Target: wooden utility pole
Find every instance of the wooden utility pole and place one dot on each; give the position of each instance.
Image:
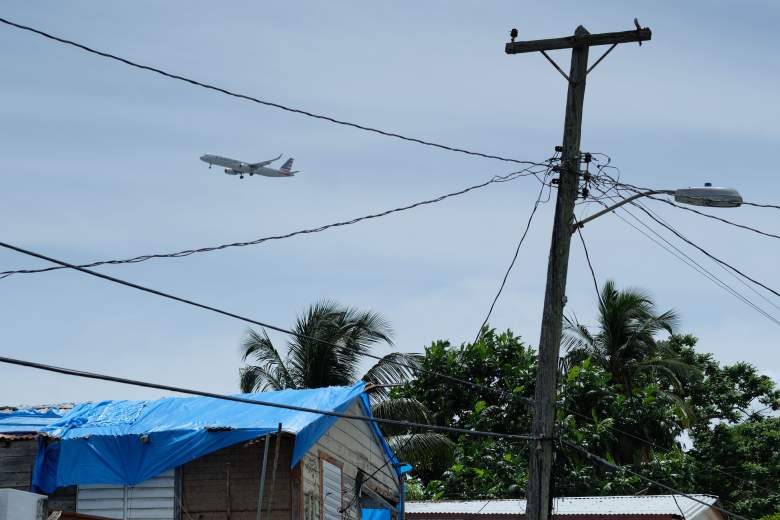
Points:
(541, 449)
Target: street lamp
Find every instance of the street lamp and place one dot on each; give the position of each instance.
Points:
(708, 195)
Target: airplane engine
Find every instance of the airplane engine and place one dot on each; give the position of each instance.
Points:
(228, 171)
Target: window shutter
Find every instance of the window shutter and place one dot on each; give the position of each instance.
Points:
(152, 499)
(331, 491)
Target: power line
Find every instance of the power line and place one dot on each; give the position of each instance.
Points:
(409, 424)
(187, 252)
(686, 259)
(254, 99)
(631, 187)
(682, 256)
(190, 391)
(272, 327)
(704, 251)
(615, 467)
(232, 315)
(713, 217)
(590, 265)
(377, 470)
(512, 263)
(104, 377)
(740, 280)
(236, 316)
(774, 206)
(635, 188)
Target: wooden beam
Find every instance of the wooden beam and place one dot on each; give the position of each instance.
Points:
(588, 40)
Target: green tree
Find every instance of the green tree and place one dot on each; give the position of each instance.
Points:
(735, 453)
(736, 433)
(625, 343)
(484, 467)
(741, 464)
(329, 346)
(330, 343)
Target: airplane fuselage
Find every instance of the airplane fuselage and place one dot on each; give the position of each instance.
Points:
(233, 167)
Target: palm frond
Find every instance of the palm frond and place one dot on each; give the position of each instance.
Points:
(248, 380)
(267, 364)
(423, 450)
(396, 367)
(401, 409)
(685, 411)
(359, 332)
(258, 379)
(577, 343)
(313, 357)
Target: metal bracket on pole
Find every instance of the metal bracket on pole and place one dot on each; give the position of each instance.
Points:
(559, 69)
(602, 57)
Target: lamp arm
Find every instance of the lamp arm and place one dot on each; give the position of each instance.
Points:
(581, 223)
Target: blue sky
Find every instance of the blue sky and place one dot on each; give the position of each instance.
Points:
(101, 161)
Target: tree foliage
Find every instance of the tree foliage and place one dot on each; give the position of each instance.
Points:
(330, 343)
(630, 412)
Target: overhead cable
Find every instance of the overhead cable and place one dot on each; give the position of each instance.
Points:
(230, 314)
(713, 217)
(704, 251)
(187, 252)
(728, 271)
(238, 399)
(682, 256)
(254, 99)
(104, 377)
(773, 206)
(590, 265)
(512, 263)
(686, 259)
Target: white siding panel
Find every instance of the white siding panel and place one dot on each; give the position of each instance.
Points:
(150, 500)
(331, 490)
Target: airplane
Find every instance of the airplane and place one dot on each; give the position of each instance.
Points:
(233, 167)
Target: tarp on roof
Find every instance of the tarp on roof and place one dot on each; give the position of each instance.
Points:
(396, 466)
(127, 442)
(27, 420)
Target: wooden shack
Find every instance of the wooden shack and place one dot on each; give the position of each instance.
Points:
(348, 467)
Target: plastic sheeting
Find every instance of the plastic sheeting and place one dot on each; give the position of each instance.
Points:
(127, 442)
(375, 427)
(27, 420)
(375, 514)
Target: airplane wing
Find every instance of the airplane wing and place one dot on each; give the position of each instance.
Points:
(265, 163)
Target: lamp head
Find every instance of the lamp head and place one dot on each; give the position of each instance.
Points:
(710, 196)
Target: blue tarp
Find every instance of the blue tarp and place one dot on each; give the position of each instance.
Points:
(375, 514)
(374, 426)
(28, 420)
(127, 442)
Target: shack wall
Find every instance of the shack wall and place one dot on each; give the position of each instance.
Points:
(17, 458)
(353, 446)
(225, 484)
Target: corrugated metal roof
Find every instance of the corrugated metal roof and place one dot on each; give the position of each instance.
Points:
(37, 407)
(610, 505)
(20, 421)
(17, 436)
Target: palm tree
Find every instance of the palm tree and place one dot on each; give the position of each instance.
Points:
(329, 344)
(625, 343)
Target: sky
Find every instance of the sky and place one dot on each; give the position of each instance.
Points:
(100, 161)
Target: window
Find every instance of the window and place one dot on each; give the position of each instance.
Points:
(330, 473)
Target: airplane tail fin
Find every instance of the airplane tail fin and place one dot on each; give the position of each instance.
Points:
(287, 166)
